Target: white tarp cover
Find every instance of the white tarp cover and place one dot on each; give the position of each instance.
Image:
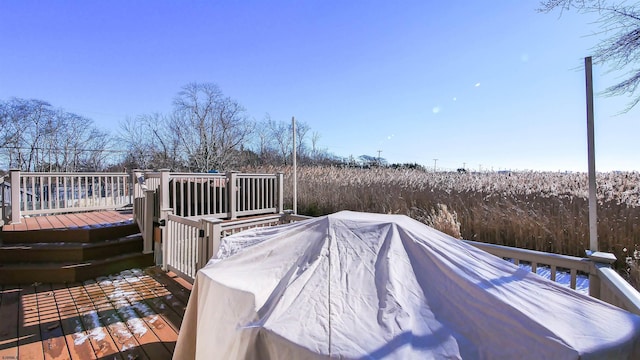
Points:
(370, 286)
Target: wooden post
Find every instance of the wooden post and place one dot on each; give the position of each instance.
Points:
(598, 259)
(14, 175)
(211, 243)
(163, 191)
(593, 217)
(147, 227)
(164, 213)
(232, 194)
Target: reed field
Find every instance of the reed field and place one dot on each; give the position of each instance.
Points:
(545, 211)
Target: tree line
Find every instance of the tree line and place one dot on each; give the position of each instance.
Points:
(205, 131)
(35, 136)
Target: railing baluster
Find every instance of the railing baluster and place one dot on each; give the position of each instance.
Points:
(65, 194)
(46, 188)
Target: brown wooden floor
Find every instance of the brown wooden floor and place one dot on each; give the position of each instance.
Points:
(75, 220)
(133, 315)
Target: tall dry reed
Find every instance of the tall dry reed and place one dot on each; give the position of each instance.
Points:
(533, 210)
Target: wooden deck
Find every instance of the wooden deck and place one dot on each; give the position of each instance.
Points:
(70, 221)
(132, 315)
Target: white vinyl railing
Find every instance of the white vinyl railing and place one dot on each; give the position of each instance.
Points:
(211, 195)
(199, 194)
(191, 242)
(222, 195)
(40, 193)
(571, 264)
(257, 194)
(185, 246)
(604, 282)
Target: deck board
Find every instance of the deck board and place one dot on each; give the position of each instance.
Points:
(73, 220)
(29, 339)
(138, 317)
(42, 222)
(75, 335)
(133, 314)
(9, 324)
(53, 341)
(125, 340)
(159, 299)
(155, 312)
(98, 336)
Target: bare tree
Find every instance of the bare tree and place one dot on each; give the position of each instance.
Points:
(210, 127)
(282, 138)
(302, 128)
(150, 143)
(37, 137)
(620, 48)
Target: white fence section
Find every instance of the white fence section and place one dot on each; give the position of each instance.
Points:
(185, 246)
(191, 242)
(555, 262)
(40, 193)
(604, 282)
(256, 194)
(199, 194)
(212, 195)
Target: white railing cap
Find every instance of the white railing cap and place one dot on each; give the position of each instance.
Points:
(601, 257)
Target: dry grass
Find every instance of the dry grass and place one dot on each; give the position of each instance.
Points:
(533, 210)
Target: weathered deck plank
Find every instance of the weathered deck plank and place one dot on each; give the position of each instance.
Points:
(53, 341)
(75, 335)
(100, 340)
(125, 341)
(74, 220)
(139, 318)
(130, 315)
(29, 338)
(156, 297)
(9, 308)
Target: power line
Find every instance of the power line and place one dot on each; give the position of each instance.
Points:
(59, 149)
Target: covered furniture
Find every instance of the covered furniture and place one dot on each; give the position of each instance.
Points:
(369, 286)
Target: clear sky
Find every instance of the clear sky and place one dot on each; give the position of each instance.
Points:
(482, 84)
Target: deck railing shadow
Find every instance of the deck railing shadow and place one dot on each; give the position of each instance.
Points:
(108, 316)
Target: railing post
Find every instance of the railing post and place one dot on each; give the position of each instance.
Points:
(163, 191)
(148, 222)
(285, 217)
(280, 193)
(14, 175)
(164, 214)
(209, 245)
(232, 194)
(598, 259)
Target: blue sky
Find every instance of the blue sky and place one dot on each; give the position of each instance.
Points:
(491, 85)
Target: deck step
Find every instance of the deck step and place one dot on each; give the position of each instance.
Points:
(87, 234)
(67, 272)
(69, 252)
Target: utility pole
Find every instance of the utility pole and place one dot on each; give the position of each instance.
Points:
(593, 217)
(464, 165)
(295, 166)
(435, 161)
(379, 163)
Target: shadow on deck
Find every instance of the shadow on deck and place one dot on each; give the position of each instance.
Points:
(135, 314)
